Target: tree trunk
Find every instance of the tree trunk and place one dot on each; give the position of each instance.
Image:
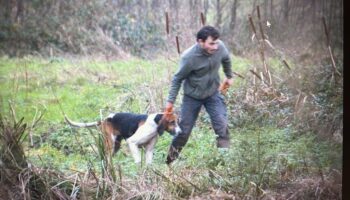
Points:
(331, 14)
(218, 14)
(266, 2)
(271, 11)
(313, 5)
(206, 8)
(285, 11)
(233, 15)
(141, 9)
(254, 6)
(7, 11)
(20, 9)
(176, 7)
(195, 14)
(191, 9)
(154, 10)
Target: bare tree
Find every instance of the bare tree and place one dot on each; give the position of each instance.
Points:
(285, 10)
(271, 10)
(206, 7)
(218, 14)
(194, 9)
(20, 10)
(233, 15)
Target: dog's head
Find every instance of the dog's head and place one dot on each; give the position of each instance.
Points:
(168, 122)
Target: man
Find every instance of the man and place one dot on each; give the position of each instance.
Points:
(199, 69)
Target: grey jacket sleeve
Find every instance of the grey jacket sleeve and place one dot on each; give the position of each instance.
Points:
(226, 62)
(183, 71)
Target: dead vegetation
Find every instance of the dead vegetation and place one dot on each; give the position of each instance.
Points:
(19, 179)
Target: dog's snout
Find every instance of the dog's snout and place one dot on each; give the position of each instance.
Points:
(177, 130)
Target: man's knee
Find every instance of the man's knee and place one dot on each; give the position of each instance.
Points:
(220, 124)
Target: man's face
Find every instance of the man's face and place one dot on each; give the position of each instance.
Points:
(209, 45)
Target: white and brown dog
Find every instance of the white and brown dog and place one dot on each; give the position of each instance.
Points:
(138, 131)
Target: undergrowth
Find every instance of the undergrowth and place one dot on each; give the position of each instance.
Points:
(270, 157)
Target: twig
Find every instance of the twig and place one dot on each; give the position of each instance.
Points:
(329, 46)
(274, 50)
(254, 81)
(39, 118)
(202, 19)
(195, 186)
(74, 189)
(257, 75)
(173, 61)
(260, 24)
(261, 78)
(26, 74)
(167, 45)
(167, 23)
(178, 45)
(31, 128)
(59, 104)
(286, 64)
(13, 112)
(252, 24)
(164, 177)
(120, 175)
(242, 77)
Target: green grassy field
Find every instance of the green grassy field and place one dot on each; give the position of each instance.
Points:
(263, 158)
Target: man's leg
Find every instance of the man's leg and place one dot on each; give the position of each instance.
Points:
(189, 112)
(216, 108)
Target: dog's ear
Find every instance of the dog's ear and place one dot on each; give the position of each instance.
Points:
(159, 119)
(161, 129)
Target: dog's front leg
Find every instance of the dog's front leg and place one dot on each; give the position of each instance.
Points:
(143, 134)
(149, 149)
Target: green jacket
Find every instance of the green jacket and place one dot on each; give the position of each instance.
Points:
(200, 72)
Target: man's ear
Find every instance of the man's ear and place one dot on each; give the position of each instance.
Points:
(201, 42)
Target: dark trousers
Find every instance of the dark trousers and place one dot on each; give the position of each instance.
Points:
(190, 108)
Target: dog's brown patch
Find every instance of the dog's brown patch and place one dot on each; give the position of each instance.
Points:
(108, 130)
(141, 123)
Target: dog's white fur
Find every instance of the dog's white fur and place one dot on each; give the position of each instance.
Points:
(147, 136)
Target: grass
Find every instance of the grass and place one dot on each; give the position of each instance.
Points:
(262, 158)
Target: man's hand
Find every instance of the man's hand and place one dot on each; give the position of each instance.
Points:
(229, 81)
(225, 85)
(168, 109)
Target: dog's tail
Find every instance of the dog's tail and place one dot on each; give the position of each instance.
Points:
(81, 124)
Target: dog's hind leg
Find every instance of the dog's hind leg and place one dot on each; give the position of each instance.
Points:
(109, 138)
(135, 151)
(117, 144)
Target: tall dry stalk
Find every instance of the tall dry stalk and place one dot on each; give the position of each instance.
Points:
(335, 71)
(262, 47)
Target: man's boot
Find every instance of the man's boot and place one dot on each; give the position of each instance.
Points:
(173, 154)
(223, 143)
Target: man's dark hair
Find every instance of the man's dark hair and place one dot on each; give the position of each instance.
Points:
(207, 31)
